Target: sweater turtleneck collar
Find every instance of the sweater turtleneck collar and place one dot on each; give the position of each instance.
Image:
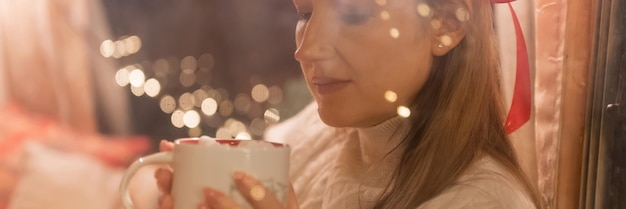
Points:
(378, 141)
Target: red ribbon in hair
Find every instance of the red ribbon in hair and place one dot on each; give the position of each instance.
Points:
(519, 112)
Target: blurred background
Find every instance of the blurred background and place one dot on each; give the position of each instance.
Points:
(88, 86)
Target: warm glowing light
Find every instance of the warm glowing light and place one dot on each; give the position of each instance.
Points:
(119, 49)
(260, 93)
(234, 126)
(177, 118)
(107, 48)
(209, 106)
(187, 78)
(404, 112)
(462, 14)
(391, 96)
(152, 87)
(257, 126)
(384, 15)
(195, 132)
(381, 2)
(222, 133)
(423, 10)
(121, 77)
(275, 95)
(242, 103)
(199, 95)
(191, 119)
(168, 104)
(132, 44)
(137, 91)
(216, 95)
(206, 62)
(189, 63)
(226, 108)
(136, 78)
(271, 115)
(186, 101)
(243, 136)
(446, 40)
(161, 66)
(394, 32)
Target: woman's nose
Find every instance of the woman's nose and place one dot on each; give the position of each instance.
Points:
(316, 40)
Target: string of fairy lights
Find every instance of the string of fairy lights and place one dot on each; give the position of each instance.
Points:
(203, 104)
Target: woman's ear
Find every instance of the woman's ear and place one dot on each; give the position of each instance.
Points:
(448, 27)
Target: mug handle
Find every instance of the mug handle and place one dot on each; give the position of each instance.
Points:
(161, 157)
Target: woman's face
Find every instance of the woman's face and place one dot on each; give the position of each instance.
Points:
(354, 51)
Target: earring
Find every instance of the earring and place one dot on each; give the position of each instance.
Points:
(440, 45)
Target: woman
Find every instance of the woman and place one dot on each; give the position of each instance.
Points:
(370, 64)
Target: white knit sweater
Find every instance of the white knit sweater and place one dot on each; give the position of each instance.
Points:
(348, 168)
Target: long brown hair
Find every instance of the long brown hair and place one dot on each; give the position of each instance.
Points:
(458, 112)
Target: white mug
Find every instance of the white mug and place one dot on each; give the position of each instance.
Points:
(198, 165)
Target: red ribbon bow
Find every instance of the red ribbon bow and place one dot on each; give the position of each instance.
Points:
(519, 112)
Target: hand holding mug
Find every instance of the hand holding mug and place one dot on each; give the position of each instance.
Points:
(219, 174)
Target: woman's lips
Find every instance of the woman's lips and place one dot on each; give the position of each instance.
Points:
(329, 85)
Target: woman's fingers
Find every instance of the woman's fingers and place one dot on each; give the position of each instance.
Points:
(256, 194)
(166, 146)
(217, 200)
(164, 180)
(166, 202)
(292, 201)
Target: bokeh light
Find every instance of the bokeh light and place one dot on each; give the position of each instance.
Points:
(381, 2)
(177, 118)
(258, 126)
(168, 104)
(222, 133)
(260, 93)
(394, 32)
(152, 87)
(423, 10)
(404, 112)
(271, 116)
(209, 106)
(462, 14)
(384, 15)
(121, 77)
(137, 91)
(189, 63)
(136, 77)
(446, 40)
(195, 132)
(243, 136)
(186, 101)
(107, 48)
(199, 95)
(391, 96)
(191, 119)
(226, 108)
(242, 103)
(132, 44)
(187, 78)
(275, 95)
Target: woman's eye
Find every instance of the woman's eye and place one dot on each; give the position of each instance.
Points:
(306, 15)
(354, 18)
(353, 15)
